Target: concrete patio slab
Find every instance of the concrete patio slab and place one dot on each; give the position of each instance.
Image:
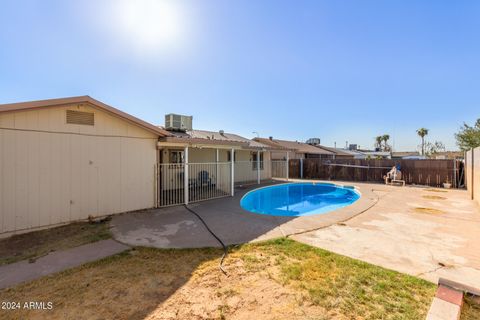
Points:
(15, 273)
(396, 235)
(176, 227)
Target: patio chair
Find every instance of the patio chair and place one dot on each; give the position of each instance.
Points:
(204, 179)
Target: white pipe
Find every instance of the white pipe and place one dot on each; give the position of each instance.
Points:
(185, 170)
(233, 171)
(258, 167)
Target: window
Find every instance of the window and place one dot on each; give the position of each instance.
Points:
(229, 157)
(176, 156)
(254, 160)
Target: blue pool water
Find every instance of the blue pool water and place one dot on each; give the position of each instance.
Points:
(298, 199)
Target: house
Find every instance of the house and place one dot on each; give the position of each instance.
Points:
(69, 159)
(340, 153)
(294, 149)
(442, 155)
(369, 154)
(407, 155)
(63, 160)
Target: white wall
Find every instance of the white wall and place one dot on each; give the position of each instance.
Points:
(52, 172)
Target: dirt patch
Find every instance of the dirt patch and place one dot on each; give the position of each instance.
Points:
(428, 210)
(35, 244)
(432, 197)
(280, 279)
(471, 308)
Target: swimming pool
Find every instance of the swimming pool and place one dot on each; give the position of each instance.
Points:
(298, 199)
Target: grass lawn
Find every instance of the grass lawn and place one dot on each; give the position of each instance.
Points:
(278, 279)
(39, 243)
(471, 308)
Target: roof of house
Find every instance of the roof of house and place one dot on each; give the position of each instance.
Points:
(215, 137)
(400, 154)
(338, 151)
(296, 146)
(39, 104)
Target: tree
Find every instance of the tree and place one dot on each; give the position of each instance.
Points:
(432, 148)
(422, 132)
(385, 139)
(378, 142)
(468, 137)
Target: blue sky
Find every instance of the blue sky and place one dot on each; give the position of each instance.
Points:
(338, 70)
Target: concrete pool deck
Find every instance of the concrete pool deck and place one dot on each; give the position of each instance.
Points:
(176, 227)
(384, 227)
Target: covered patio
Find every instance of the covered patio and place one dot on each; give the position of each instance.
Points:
(200, 165)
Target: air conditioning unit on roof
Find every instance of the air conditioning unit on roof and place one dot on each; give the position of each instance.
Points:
(177, 122)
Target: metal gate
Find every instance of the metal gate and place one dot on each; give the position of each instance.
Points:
(203, 181)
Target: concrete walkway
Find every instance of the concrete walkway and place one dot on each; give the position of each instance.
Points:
(396, 235)
(16, 273)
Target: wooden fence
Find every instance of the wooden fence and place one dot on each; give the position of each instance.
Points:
(423, 172)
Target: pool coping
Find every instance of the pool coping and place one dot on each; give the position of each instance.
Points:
(303, 224)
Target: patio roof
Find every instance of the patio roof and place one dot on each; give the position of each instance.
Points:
(298, 147)
(214, 138)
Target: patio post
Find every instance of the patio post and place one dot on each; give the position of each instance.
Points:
(258, 167)
(232, 171)
(216, 167)
(185, 174)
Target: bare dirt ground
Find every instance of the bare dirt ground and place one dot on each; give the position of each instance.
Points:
(280, 279)
(39, 243)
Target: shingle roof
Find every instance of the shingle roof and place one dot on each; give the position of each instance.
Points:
(296, 146)
(30, 105)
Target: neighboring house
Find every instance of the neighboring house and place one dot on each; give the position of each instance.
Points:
(367, 154)
(448, 155)
(407, 155)
(295, 149)
(340, 153)
(66, 159)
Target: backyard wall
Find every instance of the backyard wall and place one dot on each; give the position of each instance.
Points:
(472, 173)
(52, 172)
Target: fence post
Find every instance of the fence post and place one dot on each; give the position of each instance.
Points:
(233, 171)
(258, 167)
(301, 168)
(473, 174)
(288, 165)
(185, 174)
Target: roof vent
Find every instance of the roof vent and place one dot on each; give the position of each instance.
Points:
(177, 122)
(80, 117)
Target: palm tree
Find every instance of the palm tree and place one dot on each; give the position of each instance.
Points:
(385, 139)
(378, 142)
(422, 132)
